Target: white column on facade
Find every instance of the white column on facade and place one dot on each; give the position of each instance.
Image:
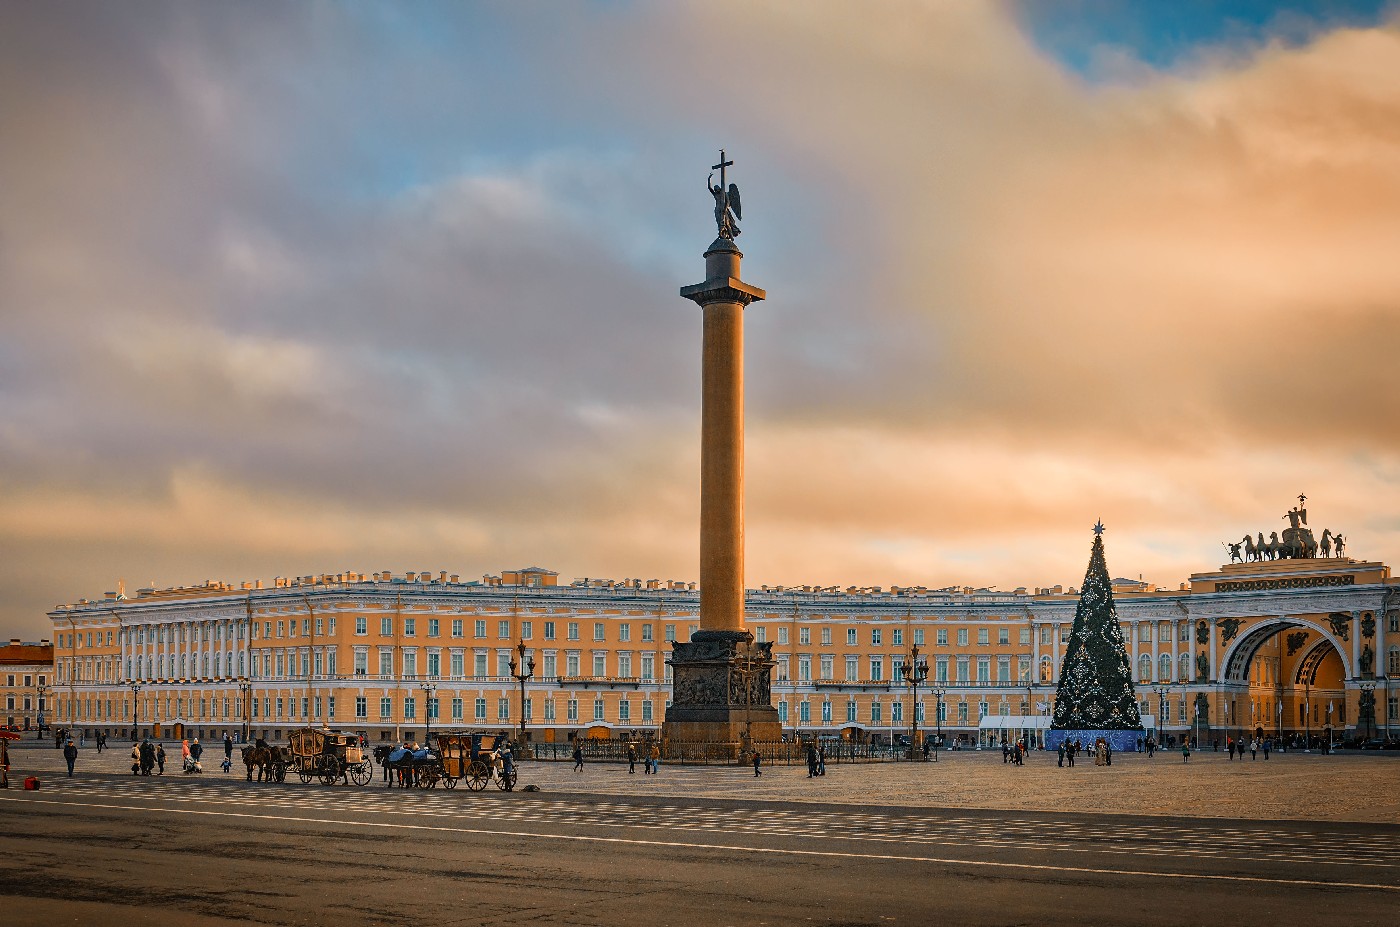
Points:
(1176, 644)
(1156, 657)
(1133, 630)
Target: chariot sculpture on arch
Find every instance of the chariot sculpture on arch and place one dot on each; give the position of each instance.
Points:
(728, 209)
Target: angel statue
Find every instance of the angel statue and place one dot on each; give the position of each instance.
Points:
(728, 209)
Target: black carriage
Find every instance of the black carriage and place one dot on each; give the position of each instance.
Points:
(412, 766)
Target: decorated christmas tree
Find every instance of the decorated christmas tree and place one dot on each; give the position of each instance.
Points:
(1096, 680)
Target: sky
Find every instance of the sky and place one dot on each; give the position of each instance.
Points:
(322, 287)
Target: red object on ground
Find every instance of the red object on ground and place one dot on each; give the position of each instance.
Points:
(31, 784)
(9, 735)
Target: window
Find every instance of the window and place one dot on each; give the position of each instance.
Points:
(1003, 635)
(571, 664)
(942, 637)
(782, 713)
(877, 668)
(826, 637)
(361, 707)
(646, 710)
(876, 713)
(457, 709)
(876, 637)
(1183, 632)
(571, 710)
(804, 712)
(1045, 639)
(1047, 669)
(456, 627)
(361, 625)
(433, 628)
(850, 637)
(480, 709)
(600, 667)
(386, 627)
(573, 630)
(984, 669)
(624, 632)
(1164, 668)
(804, 668)
(1025, 636)
(549, 630)
(1394, 620)
(410, 627)
(648, 667)
(598, 709)
(1184, 668)
(1003, 669)
(479, 628)
(502, 709)
(984, 637)
(940, 669)
(361, 663)
(624, 710)
(852, 669)
(550, 671)
(647, 634)
(1144, 633)
(897, 638)
(503, 630)
(782, 635)
(480, 665)
(1393, 663)
(962, 669)
(671, 632)
(457, 664)
(962, 637)
(804, 635)
(828, 666)
(410, 708)
(434, 664)
(386, 662)
(624, 665)
(761, 634)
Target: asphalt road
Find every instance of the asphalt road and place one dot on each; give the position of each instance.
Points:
(113, 850)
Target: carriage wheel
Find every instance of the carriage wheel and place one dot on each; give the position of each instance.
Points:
(506, 782)
(427, 778)
(449, 781)
(328, 777)
(305, 776)
(478, 774)
(361, 773)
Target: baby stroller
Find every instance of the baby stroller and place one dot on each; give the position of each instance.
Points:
(192, 766)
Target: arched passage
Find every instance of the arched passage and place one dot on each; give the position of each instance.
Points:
(1300, 635)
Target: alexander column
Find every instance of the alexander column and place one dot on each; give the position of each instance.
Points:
(722, 690)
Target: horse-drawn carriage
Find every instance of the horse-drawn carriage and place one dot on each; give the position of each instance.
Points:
(477, 759)
(271, 762)
(331, 756)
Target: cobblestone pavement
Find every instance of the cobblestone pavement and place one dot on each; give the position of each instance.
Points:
(1293, 786)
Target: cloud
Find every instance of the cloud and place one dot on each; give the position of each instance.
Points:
(328, 288)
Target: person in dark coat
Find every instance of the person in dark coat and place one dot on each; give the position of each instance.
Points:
(228, 746)
(160, 759)
(757, 761)
(1061, 751)
(70, 755)
(811, 760)
(578, 756)
(631, 759)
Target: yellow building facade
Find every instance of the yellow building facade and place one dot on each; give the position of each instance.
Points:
(1289, 646)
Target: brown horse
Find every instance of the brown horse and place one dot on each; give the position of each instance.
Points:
(261, 758)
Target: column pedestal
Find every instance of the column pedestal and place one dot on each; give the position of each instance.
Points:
(722, 692)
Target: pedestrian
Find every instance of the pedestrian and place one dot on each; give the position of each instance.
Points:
(1107, 753)
(1266, 745)
(196, 751)
(70, 754)
(1005, 752)
(655, 759)
(1073, 752)
(1061, 751)
(811, 760)
(757, 761)
(228, 746)
(631, 759)
(1230, 746)
(578, 756)
(1254, 749)
(160, 759)
(101, 742)
(1185, 749)
(135, 758)
(821, 760)
(1151, 747)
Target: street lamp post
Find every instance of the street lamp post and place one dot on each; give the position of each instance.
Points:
(135, 711)
(521, 671)
(39, 725)
(937, 691)
(1161, 711)
(428, 689)
(246, 688)
(915, 673)
(1307, 717)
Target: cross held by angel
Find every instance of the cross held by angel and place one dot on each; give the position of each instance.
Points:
(728, 208)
